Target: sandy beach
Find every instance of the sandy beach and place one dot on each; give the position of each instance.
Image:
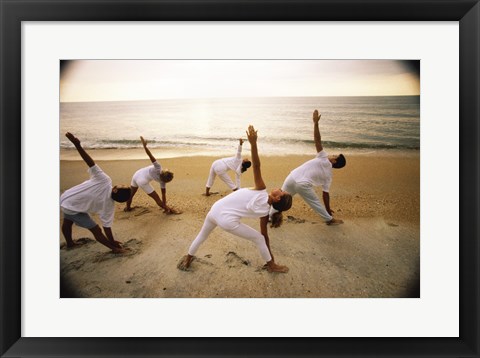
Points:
(375, 253)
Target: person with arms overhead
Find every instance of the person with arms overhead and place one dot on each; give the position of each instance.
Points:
(244, 203)
(144, 176)
(315, 172)
(220, 167)
(95, 195)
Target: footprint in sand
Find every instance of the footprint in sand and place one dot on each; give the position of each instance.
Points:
(193, 263)
(134, 246)
(73, 266)
(143, 211)
(79, 242)
(233, 260)
(292, 219)
(203, 262)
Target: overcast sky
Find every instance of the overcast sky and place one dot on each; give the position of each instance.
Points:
(118, 80)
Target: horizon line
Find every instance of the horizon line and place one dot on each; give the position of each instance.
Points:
(240, 97)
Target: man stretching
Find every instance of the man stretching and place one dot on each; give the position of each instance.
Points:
(315, 172)
(95, 195)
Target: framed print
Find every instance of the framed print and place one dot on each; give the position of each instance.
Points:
(45, 44)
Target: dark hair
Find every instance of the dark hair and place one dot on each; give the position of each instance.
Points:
(245, 165)
(277, 219)
(284, 203)
(166, 176)
(122, 195)
(340, 163)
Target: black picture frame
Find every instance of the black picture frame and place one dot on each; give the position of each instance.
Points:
(13, 12)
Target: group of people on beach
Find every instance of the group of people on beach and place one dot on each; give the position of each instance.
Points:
(97, 195)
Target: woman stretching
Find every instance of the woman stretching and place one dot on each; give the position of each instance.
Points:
(244, 203)
(144, 176)
(220, 167)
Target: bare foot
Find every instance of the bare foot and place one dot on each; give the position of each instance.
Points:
(335, 222)
(172, 211)
(129, 209)
(72, 246)
(184, 263)
(273, 267)
(120, 250)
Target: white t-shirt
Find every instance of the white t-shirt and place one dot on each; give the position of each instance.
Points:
(236, 161)
(91, 196)
(147, 174)
(243, 203)
(235, 164)
(317, 171)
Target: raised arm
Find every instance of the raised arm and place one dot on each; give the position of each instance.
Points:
(81, 151)
(257, 174)
(239, 149)
(144, 143)
(316, 131)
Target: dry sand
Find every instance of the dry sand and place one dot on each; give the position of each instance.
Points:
(375, 253)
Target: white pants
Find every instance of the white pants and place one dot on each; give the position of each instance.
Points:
(308, 194)
(220, 168)
(235, 228)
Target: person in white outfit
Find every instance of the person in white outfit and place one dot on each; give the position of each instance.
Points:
(95, 195)
(244, 203)
(144, 176)
(220, 167)
(315, 172)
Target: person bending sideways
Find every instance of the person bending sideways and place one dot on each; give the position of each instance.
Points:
(244, 203)
(144, 176)
(315, 172)
(220, 167)
(95, 195)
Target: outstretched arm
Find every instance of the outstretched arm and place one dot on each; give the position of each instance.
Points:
(316, 131)
(239, 149)
(109, 235)
(144, 143)
(257, 174)
(81, 151)
(164, 197)
(326, 201)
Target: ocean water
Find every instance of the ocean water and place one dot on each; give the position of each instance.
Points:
(213, 126)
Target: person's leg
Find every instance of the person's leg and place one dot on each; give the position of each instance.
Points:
(67, 232)
(81, 219)
(246, 232)
(157, 199)
(208, 225)
(128, 206)
(227, 180)
(308, 194)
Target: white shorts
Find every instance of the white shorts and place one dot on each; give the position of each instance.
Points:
(139, 181)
